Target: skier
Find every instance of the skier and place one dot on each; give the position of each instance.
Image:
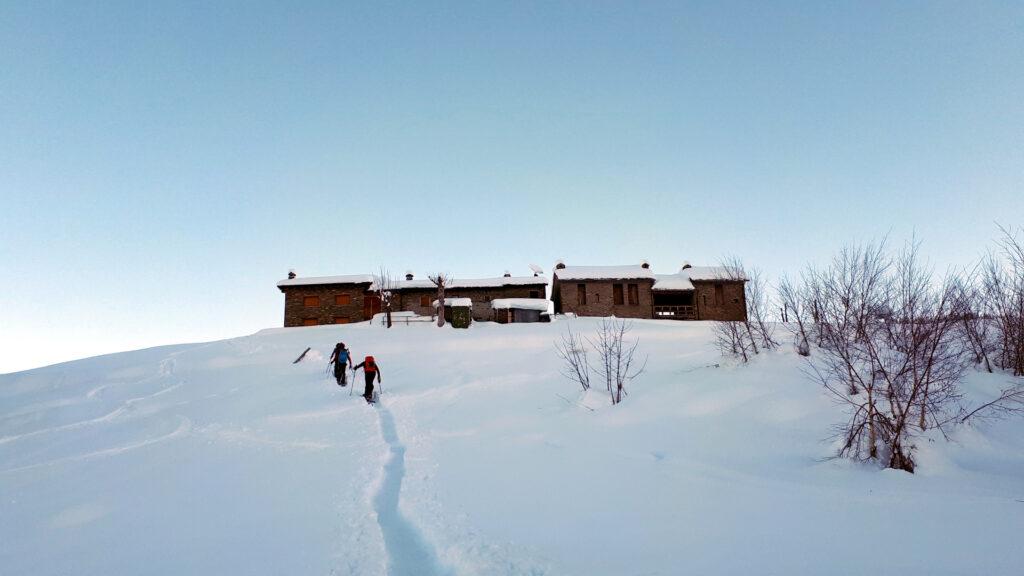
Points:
(340, 358)
(370, 369)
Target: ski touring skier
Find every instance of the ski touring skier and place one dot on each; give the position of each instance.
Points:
(371, 370)
(340, 358)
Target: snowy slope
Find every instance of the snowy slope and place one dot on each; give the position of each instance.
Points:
(226, 458)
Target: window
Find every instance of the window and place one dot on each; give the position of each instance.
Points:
(581, 294)
(425, 301)
(341, 319)
(534, 294)
(634, 294)
(342, 300)
(311, 301)
(309, 322)
(617, 298)
(719, 295)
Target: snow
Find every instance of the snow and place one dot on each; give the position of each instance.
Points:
(226, 458)
(682, 280)
(521, 303)
(316, 280)
(457, 302)
(418, 284)
(475, 282)
(603, 272)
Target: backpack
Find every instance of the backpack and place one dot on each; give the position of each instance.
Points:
(370, 365)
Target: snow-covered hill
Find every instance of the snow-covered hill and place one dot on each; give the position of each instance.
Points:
(226, 458)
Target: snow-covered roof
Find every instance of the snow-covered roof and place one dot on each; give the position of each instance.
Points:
(458, 302)
(314, 280)
(683, 280)
(457, 283)
(628, 272)
(520, 304)
(414, 284)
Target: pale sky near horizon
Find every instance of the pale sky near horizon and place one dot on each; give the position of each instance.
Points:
(162, 165)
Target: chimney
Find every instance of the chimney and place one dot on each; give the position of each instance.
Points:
(686, 264)
(645, 264)
(507, 274)
(408, 274)
(559, 265)
(291, 274)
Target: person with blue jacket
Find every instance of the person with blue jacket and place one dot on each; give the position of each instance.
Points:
(340, 358)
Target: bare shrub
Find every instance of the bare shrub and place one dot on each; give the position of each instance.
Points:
(573, 352)
(1003, 289)
(890, 350)
(616, 357)
(741, 338)
(796, 314)
(732, 340)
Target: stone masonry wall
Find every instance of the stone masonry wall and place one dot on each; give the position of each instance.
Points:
(600, 298)
(295, 312)
(734, 307)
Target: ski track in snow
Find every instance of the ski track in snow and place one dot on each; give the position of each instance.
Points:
(408, 554)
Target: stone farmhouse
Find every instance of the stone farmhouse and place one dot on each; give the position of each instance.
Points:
(312, 301)
(634, 291)
(631, 291)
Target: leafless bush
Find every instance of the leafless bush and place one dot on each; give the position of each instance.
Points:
(1003, 289)
(732, 339)
(975, 322)
(754, 332)
(616, 357)
(573, 352)
(890, 350)
(796, 314)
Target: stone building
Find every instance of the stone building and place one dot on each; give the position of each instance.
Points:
(342, 299)
(634, 291)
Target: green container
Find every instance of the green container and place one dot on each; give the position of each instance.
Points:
(462, 316)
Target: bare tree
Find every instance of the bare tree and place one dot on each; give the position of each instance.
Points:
(796, 306)
(732, 339)
(616, 357)
(757, 305)
(440, 280)
(385, 286)
(573, 352)
(975, 321)
(890, 351)
(740, 338)
(1003, 287)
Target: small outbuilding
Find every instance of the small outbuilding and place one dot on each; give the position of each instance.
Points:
(519, 310)
(457, 311)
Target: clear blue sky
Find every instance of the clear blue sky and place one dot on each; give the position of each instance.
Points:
(163, 164)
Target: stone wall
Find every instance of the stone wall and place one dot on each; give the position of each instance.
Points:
(600, 298)
(734, 306)
(296, 312)
(411, 300)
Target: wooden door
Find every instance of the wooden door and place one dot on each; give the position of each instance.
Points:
(371, 306)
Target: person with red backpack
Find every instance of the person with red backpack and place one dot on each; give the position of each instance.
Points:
(371, 370)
